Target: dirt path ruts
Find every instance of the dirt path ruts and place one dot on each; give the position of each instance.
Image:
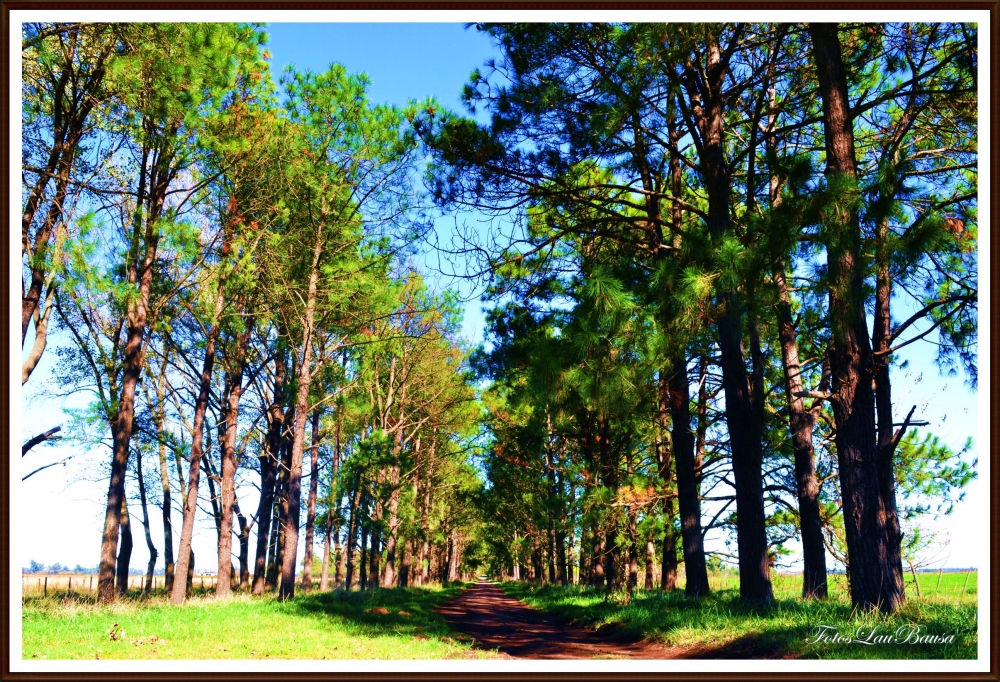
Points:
(497, 621)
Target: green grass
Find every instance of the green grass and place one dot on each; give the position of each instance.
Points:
(719, 626)
(328, 625)
(942, 585)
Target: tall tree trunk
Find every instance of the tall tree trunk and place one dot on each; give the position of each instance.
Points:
(269, 463)
(742, 415)
(145, 526)
(307, 558)
(363, 564)
(352, 531)
(294, 498)
(124, 550)
(800, 421)
(166, 506)
(389, 576)
(230, 420)
(189, 580)
(374, 553)
(280, 508)
(550, 473)
(887, 438)
(609, 478)
(333, 516)
(873, 585)
(244, 545)
(140, 274)
(597, 555)
(688, 499)
(561, 566)
(800, 424)
(650, 559)
(197, 437)
(324, 573)
(668, 564)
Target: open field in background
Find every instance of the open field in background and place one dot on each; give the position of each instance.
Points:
(719, 626)
(786, 585)
(381, 624)
(789, 585)
(81, 584)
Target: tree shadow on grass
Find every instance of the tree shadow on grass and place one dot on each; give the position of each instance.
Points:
(381, 612)
(721, 626)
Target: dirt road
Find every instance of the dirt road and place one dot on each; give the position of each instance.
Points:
(497, 621)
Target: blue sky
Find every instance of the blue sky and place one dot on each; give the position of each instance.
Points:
(406, 62)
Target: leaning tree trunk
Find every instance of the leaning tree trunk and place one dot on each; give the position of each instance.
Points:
(871, 573)
(197, 451)
(148, 587)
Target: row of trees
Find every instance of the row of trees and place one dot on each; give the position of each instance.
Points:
(702, 231)
(229, 263)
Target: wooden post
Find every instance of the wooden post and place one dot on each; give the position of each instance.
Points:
(202, 581)
(967, 574)
(70, 587)
(91, 583)
(45, 589)
(938, 587)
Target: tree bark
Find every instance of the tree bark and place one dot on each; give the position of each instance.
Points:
(307, 561)
(294, 498)
(352, 530)
(742, 415)
(167, 505)
(197, 450)
(692, 543)
(887, 438)
(124, 550)
(269, 462)
(140, 274)
(873, 585)
(800, 424)
(230, 420)
(145, 526)
(244, 545)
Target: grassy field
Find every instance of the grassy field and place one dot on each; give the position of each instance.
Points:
(720, 627)
(383, 624)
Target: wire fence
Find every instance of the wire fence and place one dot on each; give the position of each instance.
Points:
(53, 584)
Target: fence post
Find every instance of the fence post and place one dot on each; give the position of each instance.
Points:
(967, 574)
(70, 587)
(91, 583)
(45, 592)
(938, 587)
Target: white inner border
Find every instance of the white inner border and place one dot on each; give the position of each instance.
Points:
(18, 532)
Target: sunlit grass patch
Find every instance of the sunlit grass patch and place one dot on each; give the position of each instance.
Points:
(381, 624)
